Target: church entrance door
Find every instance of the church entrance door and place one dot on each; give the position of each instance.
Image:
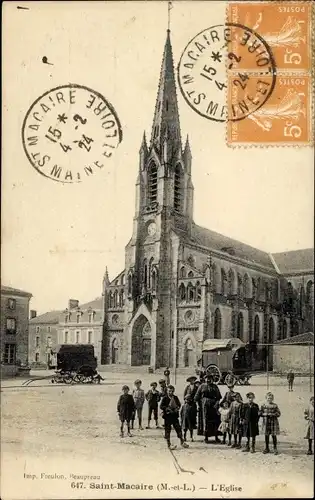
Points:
(141, 342)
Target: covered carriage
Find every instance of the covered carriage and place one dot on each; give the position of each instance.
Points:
(227, 360)
(74, 363)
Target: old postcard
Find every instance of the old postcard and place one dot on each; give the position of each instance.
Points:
(157, 292)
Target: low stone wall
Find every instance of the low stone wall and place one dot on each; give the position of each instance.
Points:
(299, 358)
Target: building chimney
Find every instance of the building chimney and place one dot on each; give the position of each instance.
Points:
(73, 303)
(33, 314)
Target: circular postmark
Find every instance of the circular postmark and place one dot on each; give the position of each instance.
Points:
(69, 133)
(226, 72)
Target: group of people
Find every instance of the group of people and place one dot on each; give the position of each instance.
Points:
(204, 409)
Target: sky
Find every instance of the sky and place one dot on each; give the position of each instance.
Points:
(58, 238)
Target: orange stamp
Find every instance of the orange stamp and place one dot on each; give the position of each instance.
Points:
(284, 26)
(283, 120)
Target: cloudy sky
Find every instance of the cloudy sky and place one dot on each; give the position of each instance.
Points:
(57, 239)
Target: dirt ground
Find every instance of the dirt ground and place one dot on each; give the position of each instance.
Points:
(56, 438)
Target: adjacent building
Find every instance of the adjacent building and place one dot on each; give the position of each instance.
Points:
(43, 336)
(14, 329)
(83, 324)
(183, 283)
(77, 324)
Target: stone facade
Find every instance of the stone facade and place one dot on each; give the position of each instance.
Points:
(183, 284)
(82, 324)
(14, 329)
(43, 336)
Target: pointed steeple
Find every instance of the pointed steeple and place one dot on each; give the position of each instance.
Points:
(144, 147)
(105, 280)
(166, 116)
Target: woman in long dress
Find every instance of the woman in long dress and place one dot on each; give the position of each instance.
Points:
(191, 390)
(209, 395)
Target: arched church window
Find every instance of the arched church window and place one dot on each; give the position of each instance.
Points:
(182, 291)
(150, 272)
(240, 326)
(190, 292)
(182, 272)
(152, 184)
(115, 298)
(145, 272)
(309, 292)
(178, 189)
(246, 291)
(217, 324)
(190, 274)
(130, 283)
(223, 282)
(198, 291)
(111, 299)
(122, 280)
(231, 282)
(154, 280)
(240, 290)
(121, 298)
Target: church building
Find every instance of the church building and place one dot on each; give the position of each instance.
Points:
(182, 283)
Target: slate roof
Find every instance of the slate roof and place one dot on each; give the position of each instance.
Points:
(295, 260)
(17, 291)
(216, 241)
(48, 317)
(302, 338)
(93, 304)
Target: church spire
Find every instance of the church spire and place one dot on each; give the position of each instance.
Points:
(166, 116)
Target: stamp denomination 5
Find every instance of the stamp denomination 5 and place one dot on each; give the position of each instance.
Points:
(283, 120)
(69, 132)
(285, 26)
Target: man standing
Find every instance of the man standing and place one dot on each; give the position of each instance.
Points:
(290, 378)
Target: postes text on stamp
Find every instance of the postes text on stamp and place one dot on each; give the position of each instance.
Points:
(285, 27)
(284, 120)
(70, 132)
(218, 56)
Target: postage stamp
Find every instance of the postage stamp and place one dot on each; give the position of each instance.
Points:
(284, 120)
(214, 54)
(69, 132)
(285, 27)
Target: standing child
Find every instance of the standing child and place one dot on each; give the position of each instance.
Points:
(235, 420)
(188, 416)
(270, 413)
(224, 426)
(170, 406)
(290, 378)
(125, 409)
(167, 375)
(153, 398)
(249, 420)
(309, 416)
(138, 396)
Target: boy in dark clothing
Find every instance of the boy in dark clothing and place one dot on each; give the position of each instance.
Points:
(125, 409)
(290, 378)
(249, 420)
(153, 398)
(188, 416)
(170, 406)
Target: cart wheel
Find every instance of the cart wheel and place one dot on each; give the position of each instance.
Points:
(79, 378)
(230, 379)
(68, 378)
(215, 373)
